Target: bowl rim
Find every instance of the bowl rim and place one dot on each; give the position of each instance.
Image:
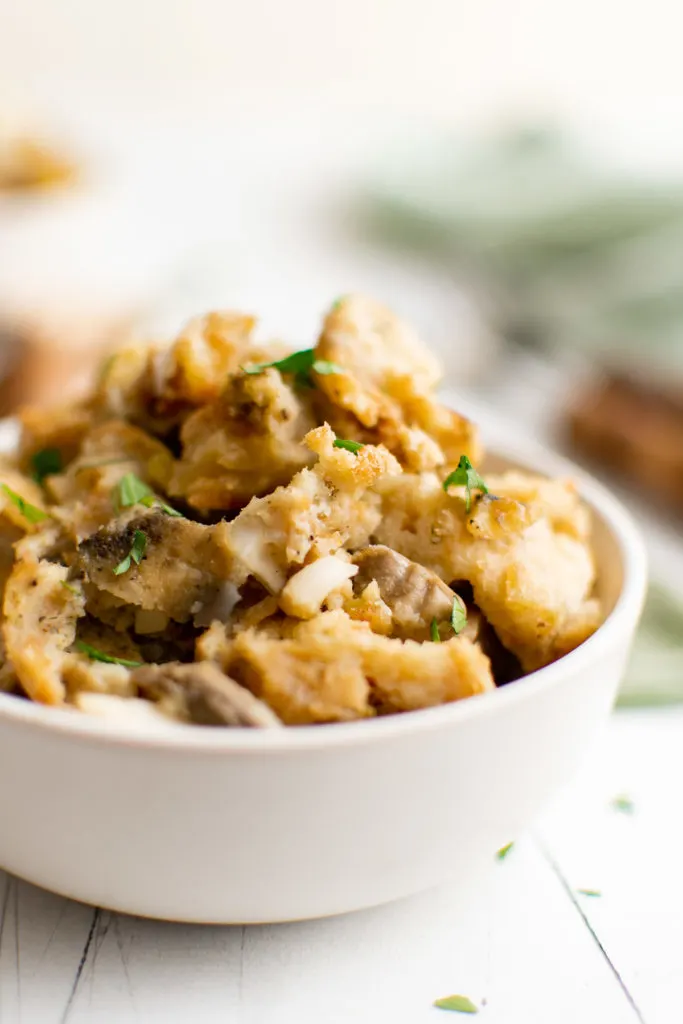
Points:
(190, 739)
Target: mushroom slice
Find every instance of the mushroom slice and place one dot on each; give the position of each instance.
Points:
(415, 595)
(202, 694)
(179, 570)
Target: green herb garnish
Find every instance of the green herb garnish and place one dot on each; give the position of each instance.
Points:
(589, 892)
(300, 364)
(458, 615)
(296, 362)
(466, 476)
(95, 655)
(458, 1004)
(504, 850)
(131, 490)
(458, 620)
(349, 446)
(337, 303)
(151, 501)
(135, 554)
(70, 588)
(623, 804)
(134, 491)
(324, 367)
(46, 462)
(28, 511)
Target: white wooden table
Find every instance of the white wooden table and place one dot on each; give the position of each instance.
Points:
(523, 944)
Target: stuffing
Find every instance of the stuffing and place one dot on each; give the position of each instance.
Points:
(230, 534)
(157, 386)
(531, 578)
(85, 493)
(415, 596)
(40, 614)
(62, 427)
(334, 668)
(179, 567)
(320, 511)
(245, 443)
(383, 391)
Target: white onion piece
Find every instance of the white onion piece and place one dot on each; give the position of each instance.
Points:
(305, 591)
(133, 712)
(220, 607)
(250, 542)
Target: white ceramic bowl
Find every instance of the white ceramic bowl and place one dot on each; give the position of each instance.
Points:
(214, 825)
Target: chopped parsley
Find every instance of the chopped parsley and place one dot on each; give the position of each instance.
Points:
(30, 512)
(466, 476)
(589, 892)
(623, 804)
(70, 588)
(458, 1004)
(337, 303)
(300, 364)
(131, 490)
(151, 501)
(458, 615)
(349, 446)
(458, 620)
(135, 554)
(324, 367)
(109, 659)
(504, 850)
(46, 462)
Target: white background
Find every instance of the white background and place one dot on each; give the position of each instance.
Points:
(217, 133)
(452, 58)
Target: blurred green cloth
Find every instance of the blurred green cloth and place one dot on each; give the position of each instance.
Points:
(566, 251)
(655, 671)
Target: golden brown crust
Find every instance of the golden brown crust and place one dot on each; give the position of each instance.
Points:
(334, 669)
(244, 444)
(530, 565)
(384, 394)
(40, 615)
(285, 525)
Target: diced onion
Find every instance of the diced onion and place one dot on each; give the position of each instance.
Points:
(304, 593)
